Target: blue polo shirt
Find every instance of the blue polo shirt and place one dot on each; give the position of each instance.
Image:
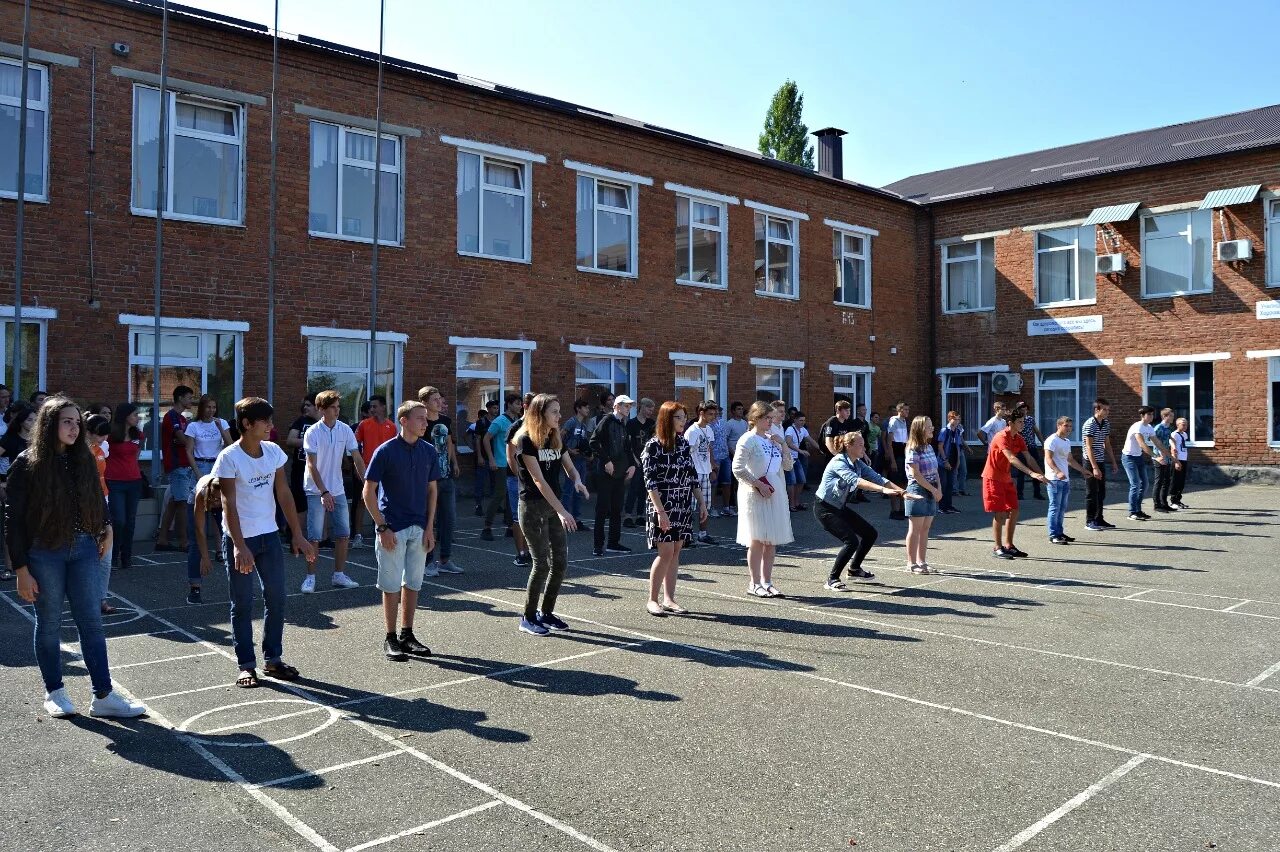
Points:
(402, 472)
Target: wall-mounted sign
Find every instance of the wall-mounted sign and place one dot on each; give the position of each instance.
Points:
(1065, 325)
(1269, 310)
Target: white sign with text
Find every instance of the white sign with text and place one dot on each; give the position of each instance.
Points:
(1269, 310)
(1065, 325)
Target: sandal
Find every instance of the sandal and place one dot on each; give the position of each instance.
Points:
(654, 609)
(280, 671)
(248, 679)
(674, 609)
(921, 569)
(758, 591)
(108, 609)
(771, 592)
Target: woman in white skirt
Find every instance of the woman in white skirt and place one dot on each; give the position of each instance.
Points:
(764, 516)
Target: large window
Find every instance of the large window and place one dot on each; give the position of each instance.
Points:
(701, 242)
(342, 364)
(1273, 242)
(968, 394)
(1065, 392)
(493, 207)
(1273, 397)
(606, 225)
(597, 375)
(343, 161)
(853, 388)
(490, 374)
(698, 380)
(1066, 265)
(777, 253)
(969, 276)
(852, 254)
(1187, 388)
(34, 343)
(36, 179)
(1177, 253)
(207, 361)
(205, 171)
(777, 382)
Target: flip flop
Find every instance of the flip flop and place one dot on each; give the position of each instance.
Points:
(248, 679)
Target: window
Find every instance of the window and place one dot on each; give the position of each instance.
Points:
(1273, 242)
(702, 241)
(493, 207)
(1065, 392)
(1066, 269)
(969, 276)
(342, 364)
(597, 375)
(205, 169)
(1187, 388)
(209, 362)
(606, 226)
(853, 388)
(701, 380)
(778, 383)
(1177, 253)
(34, 342)
(342, 167)
(1273, 377)
(968, 394)
(488, 374)
(776, 256)
(852, 253)
(35, 181)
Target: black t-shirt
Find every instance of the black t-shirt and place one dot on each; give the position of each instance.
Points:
(477, 437)
(640, 433)
(833, 427)
(511, 434)
(439, 431)
(548, 460)
(299, 454)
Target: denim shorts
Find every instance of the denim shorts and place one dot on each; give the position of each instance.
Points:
(925, 507)
(403, 566)
(339, 518)
(182, 481)
(725, 476)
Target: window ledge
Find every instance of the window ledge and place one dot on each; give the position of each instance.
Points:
(1074, 303)
(991, 309)
(787, 297)
(610, 272)
(183, 217)
(321, 235)
(1177, 294)
(701, 284)
(44, 199)
(494, 257)
(1202, 444)
(852, 305)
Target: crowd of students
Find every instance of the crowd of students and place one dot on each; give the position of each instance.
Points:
(74, 483)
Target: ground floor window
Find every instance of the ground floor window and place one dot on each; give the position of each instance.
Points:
(1065, 392)
(774, 383)
(853, 388)
(341, 363)
(34, 343)
(488, 375)
(969, 395)
(1273, 380)
(596, 376)
(1187, 388)
(699, 380)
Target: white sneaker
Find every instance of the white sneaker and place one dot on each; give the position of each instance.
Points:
(116, 706)
(449, 567)
(340, 579)
(432, 569)
(357, 540)
(58, 704)
(309, 583)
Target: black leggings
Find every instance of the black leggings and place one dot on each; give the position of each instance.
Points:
(851, 528)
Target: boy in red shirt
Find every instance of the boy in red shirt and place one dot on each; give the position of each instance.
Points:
(372, 432)
(999, 494)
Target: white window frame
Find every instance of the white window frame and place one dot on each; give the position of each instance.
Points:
(344, 160)
(501, 349)
(1190, 233)
(1074, 385)
(847, 379)
(979, 390)
(791, 369)
(723, 231)
(612, 354)
(840, 255)
(1271, 238)
(398, 341)
(1273, 378)
(1189, 383)
(709, 364)
(633, 212)
(173, 131)
(524, 160)
(794, 243)
(979, 254)
(30, 316)
(1079, 269)
(39, 102)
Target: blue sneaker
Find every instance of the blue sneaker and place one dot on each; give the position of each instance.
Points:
(549, 621)
(533, 627)
(1095, 528)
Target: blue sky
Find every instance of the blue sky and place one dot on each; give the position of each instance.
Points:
(919, 84)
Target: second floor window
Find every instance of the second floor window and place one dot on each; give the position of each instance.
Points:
(35, 181)
(1177, 253)
(493, 207)
(701, 242)
(776, 256)
(853, 269)
(969, 276)
(606, 225)
(342, 167)
(1066, 265)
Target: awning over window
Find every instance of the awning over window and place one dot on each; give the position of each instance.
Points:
(1114, 213)
(1227, 197)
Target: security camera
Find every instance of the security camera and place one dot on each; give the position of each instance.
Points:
(120, 48)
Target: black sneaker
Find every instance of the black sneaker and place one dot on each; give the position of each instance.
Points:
(1001, 553)
(597, 551)
(1058, 539)
(326, 544)
(1161, 509)
(1137, 516)
(508, 533)
(706, 539)
(479, 511)
(618, 548)
(1021, 554)
(391, 648)
(1105, 525)
(410, 644)
(522, 559)
(629, 522)
(1067, 537)
(549, 621)
(584, 526)
(193, 596)
(1145, 516)
(486, 534)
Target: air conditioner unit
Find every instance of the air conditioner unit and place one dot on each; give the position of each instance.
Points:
(1110, 264)
(1006, 382)
(1229, 250)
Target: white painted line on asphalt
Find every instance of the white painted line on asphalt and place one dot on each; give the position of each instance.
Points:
(421, 828)
(224, 603)
(145, 559)
(227, 685)
(1137, 594)
(1235, 607)
(164, 660)
(136, 635)
(289, 779)
(485, 788)
(1071, 804)
(854, 590)
(1260, 678)
(256, 722)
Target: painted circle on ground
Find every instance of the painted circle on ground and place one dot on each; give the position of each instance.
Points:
(334, 715)
(122, 615)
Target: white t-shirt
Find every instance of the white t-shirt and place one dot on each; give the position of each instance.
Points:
(329, 446)
(994, 426)
(797, 437)
(1060, 450)
(898, 428)
(207, 437)
(1179, 440)
(700, 439)
(1139, 433)
(255, 486)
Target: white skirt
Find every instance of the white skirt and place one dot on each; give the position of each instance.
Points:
(766, 519)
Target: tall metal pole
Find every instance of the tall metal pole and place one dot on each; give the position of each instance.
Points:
(19, 223)
(162, 197)
(377, 201)
(271, 216)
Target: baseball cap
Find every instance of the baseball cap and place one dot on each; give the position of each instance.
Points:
(623, 399)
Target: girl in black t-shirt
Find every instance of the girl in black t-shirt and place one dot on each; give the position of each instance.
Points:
(543, 519)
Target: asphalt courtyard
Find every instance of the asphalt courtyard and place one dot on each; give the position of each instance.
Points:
(1119, 693)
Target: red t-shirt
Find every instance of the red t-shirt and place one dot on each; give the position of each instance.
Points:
(122, 463)
(174, 455)
(371, 434)
(997, 466)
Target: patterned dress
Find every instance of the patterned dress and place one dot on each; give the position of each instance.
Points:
(672, 475)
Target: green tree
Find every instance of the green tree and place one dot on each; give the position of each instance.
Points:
(785, 135)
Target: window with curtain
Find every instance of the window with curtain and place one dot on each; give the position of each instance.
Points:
(598, 375)
(210, 362)
(343, 161)
(1065, 392)
(34, 340)
(969, 395)
(853, 388)
(701, 242)
(969, 276)
(606, 232)
(776, 255)
(697, 381)
(36, 170)
(342, 364)
(1177, 253)
(1187, 388)
(852, 254)
(1066, 267)
(1273, 242)
(493, 207)
(773, 383)
(485, 375)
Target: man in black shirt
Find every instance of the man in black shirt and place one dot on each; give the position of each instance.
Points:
(478, 431)
(615, 464)
(639, 430)
(299, 464)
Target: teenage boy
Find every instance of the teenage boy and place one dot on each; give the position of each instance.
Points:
(373, 430)
(719, 449)
(999, 495)
(994, 426)
(440, 435)
(307, 418)
(799, 444)
(897, 429)
(951, 451)
(249, 473)
(1164, 472)
(1136, 445)
(512, 452)
(324, 445)
(1097, 451)
(1057, 461)
(838, 424)
(701, 437)
(639, 430)
(400, 494)
(615, 465)
(1179, 440)
(734, 428)
(494, 443)
(575, 436)
(477, 432)
(1034, 440)
(177, 465)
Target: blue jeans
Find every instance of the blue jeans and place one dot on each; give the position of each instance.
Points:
(122, 503)
(1059, 491)
(212, 533)
(1135, 467)
(446, 516)
(948, 484)
(962, 474)
(269, 559)
(71, 573)
(481, 485)
(569, 496)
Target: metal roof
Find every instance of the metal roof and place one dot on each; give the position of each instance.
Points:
(1227, 197)
(1114, 213)
(1224, 134)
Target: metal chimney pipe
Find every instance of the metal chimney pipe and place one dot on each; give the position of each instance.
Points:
(830, 152)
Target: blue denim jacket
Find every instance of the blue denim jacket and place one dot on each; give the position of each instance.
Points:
(840, 479)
